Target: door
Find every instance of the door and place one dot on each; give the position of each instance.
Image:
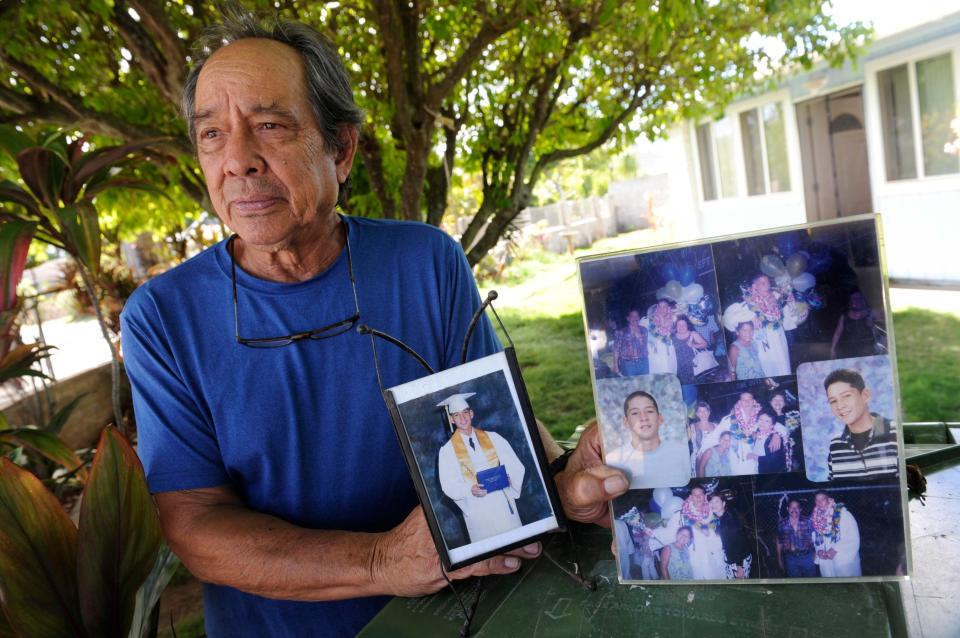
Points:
(833, 150)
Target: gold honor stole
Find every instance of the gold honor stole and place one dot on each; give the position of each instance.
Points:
(463, 457)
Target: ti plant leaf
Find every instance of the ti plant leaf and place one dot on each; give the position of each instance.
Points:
(60, 418)
(43, 171)
(81, 229)
(15, 238)
(38, 558)
(20, 360)
(119, 537)
(46, 445)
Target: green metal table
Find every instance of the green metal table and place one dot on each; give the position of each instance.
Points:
(542, 600)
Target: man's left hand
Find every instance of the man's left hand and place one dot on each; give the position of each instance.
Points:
(586, 485)
(775, 442)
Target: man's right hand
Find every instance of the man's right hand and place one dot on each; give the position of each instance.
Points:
(586, 485)
(477, 491)
(404, 561)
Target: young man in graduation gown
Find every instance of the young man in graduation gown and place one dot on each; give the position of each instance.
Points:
(471, 450)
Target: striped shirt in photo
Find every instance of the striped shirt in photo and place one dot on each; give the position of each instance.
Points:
(870, 454)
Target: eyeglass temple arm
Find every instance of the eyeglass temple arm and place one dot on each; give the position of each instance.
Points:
(364, 329)
(476, 317)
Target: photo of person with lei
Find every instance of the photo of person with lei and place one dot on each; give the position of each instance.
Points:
(826, 522)
(661, 352)
(706, 550)
(765, 304)
(836, 538)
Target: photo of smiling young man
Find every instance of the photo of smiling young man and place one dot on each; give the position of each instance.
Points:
(867, 447)
(647, 458)
(848, 414)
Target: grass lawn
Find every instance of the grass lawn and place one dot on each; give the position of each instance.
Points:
(540, 305)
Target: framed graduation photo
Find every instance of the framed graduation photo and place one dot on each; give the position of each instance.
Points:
(748, 387)
(472, 446)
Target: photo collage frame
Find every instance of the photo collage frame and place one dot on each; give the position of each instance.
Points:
(747, 386)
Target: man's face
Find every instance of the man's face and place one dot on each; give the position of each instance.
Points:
(822, 500)
(698, 495)
(761, 285)
(848, 403)
(463, 419)
(267, 170)
(642, 418)
(794, 509)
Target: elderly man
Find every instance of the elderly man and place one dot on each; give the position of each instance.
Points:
(461, 463)
(268, 449)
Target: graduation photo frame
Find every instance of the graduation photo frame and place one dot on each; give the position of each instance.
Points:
(792, 421)
(474, 452)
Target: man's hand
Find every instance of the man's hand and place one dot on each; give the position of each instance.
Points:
(477, 491)
(587, 484)
(775, 442)
(404, 561)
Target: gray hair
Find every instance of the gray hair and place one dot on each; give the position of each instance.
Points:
(328, 85)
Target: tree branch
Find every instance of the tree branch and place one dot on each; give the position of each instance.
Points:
(561, 154)
(67, 109)
(156, 49)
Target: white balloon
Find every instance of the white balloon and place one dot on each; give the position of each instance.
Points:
(804, 282)
(661, 495)
(691, 293)
(671, 507)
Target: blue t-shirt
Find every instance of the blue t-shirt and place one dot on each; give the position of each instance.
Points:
(300, 432)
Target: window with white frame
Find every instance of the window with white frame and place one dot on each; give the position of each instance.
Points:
(764, 139)
(913, 145)
(718, 174)
(764, 145)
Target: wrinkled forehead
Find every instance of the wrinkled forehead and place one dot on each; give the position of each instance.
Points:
(254, 73)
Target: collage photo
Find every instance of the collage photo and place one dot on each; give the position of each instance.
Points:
(746, 388)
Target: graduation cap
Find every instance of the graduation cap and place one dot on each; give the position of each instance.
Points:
(455, 403)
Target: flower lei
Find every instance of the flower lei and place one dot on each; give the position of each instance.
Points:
(662, 319)
(792, 420)
(826, 522)
(744, 422)
(767, 308)
(699, 517)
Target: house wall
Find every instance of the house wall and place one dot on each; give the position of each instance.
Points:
(921, 217)
(744, 213)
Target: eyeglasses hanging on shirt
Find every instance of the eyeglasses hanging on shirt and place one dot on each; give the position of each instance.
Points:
(325, 332)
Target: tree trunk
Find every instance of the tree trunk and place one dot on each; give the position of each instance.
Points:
(373, 163)
(114, 357)
(415, 174)
(492, 234)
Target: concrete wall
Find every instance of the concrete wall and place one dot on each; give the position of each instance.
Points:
(92, 413)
